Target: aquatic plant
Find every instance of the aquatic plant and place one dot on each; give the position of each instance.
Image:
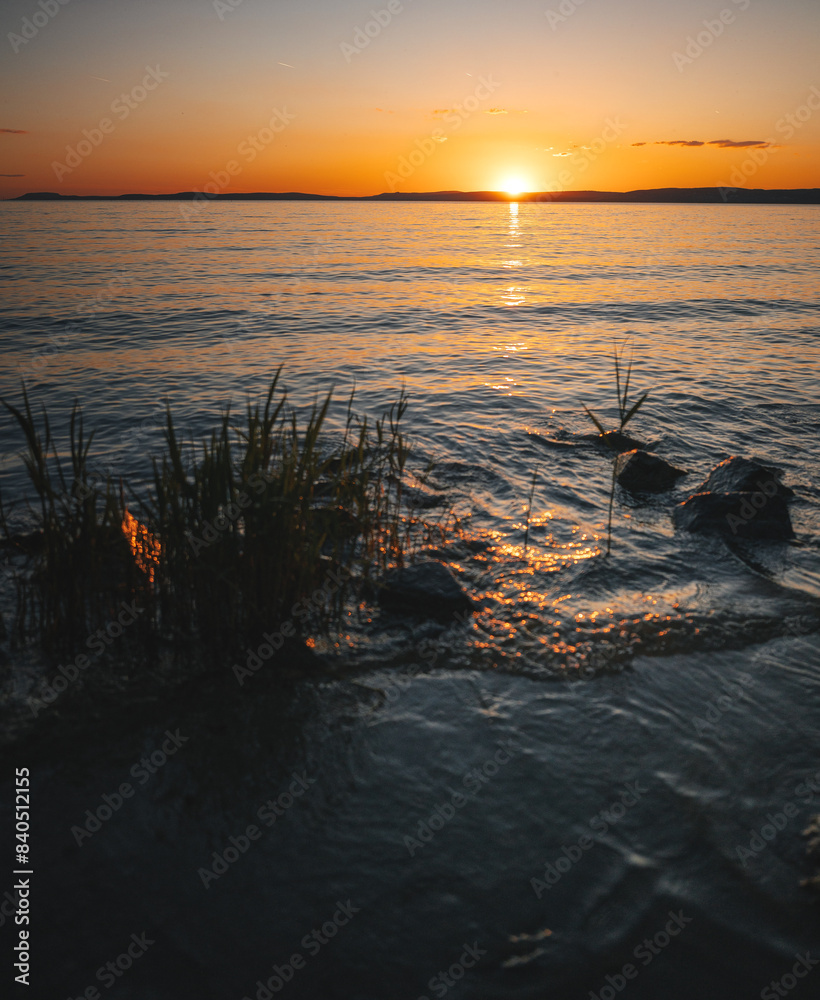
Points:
(625, 411)
(228, 536)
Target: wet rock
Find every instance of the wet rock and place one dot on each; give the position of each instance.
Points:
(643, 472)
(427, 587)
(616, 441)
(755, 516)
(417, 499)
(741, 475)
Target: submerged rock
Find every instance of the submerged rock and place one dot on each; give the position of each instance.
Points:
(644, 472)
(740, 515)
(427, 587)
(741, 475)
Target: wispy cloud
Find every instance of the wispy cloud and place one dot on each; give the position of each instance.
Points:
(720, 143)
(14, 131)
(440, 112)
(12, 175)
(733, 144)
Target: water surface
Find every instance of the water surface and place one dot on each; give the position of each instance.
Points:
(686, 665)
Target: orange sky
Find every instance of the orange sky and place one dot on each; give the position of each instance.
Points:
(308, 95)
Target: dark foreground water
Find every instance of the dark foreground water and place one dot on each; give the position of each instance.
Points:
(606, 771)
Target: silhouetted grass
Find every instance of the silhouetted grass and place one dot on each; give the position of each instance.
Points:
(625, 411)
(614, 438)
(218, 550)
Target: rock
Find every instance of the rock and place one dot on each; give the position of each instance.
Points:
(736, 515)
(740, 475)
(427, 587)
(615, 440)
(417, 499)
(643, 472)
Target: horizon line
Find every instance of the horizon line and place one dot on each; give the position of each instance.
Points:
(690, 194)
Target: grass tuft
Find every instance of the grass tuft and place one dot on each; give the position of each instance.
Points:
(219, 548)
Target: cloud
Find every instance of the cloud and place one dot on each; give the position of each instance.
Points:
(440, 112)
(562, 154)
(12, 175)
(720, 143)
(732, 144)
(15, 131)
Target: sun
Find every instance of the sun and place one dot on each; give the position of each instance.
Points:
(514, 184)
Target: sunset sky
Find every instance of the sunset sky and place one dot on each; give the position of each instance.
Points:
(113, 96)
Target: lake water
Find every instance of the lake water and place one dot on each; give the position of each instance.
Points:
(662, 700)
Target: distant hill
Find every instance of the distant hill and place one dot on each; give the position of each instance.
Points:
(704, 195)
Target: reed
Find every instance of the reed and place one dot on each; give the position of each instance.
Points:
(625, 411)
(228, 536)
(614, 438)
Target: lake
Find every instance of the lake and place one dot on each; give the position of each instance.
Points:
(607, 769)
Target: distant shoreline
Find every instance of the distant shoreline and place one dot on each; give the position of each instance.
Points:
(683, 196)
